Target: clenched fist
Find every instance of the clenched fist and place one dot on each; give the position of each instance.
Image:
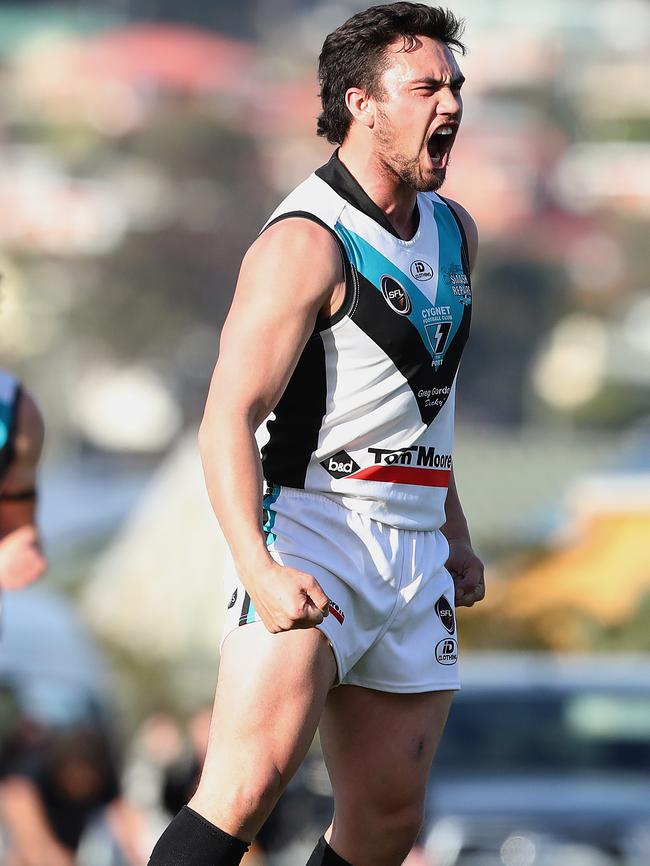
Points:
(21, 559)
(286, 598)
(467, 572)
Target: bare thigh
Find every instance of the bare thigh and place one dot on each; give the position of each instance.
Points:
(270, 694)
(378, 748)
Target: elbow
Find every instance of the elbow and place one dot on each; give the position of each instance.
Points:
(233, 422)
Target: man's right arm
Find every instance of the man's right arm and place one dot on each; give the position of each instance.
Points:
(291, 272)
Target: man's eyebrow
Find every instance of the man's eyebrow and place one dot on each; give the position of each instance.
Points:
(438, 82)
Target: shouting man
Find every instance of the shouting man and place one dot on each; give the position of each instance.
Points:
(341, 351)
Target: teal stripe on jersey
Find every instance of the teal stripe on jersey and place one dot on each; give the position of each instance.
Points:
(269, 514)
(450, 271)
(251, 613)
(373, 265)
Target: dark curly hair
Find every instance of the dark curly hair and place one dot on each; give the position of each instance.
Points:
(353, 55)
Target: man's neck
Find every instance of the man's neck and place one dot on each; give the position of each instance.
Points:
(387, 191)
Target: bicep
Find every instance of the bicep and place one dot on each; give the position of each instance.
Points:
(286, 277)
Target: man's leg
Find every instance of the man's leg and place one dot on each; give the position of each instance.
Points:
(270, 695)
(378, 748)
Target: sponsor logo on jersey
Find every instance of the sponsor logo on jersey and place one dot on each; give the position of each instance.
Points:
(336, 611)
(340, 465)
(395, 296)
(447, 651)
(421, 271)
(415, 455)
(434, 396)
(456, 278)
(446, 613)
(233, 599)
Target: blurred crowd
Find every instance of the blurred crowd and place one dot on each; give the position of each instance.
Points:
(76, 786)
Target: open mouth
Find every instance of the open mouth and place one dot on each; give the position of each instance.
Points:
(440, 143)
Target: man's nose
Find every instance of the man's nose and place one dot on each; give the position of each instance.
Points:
(448, 102)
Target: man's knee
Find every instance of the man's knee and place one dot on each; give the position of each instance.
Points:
(243, 803)
(398, 829)
(379, 833)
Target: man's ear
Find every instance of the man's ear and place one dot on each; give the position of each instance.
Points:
(360, 106)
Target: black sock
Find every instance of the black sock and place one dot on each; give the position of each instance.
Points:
(192, 840)
(323, 855)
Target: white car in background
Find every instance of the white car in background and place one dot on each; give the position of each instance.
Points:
(545, 762)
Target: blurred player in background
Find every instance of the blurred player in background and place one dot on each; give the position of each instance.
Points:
(21, 443)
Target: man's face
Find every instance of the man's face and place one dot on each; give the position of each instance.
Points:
(418, 112)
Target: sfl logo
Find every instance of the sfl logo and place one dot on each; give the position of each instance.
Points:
(395, 296)
(446, 613)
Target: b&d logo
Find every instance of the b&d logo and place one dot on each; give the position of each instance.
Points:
(340, 465)
(421, 271)
(447, 651)
(395, 296)
(446, 613)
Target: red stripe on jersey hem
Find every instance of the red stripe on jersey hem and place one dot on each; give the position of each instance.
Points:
(336, 614)
(405, 475)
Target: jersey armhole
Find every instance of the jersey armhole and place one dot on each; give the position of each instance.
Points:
(463, 237)
(325, 322)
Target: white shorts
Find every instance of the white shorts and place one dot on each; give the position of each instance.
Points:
(392, 623)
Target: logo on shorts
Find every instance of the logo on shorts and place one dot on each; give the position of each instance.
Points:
(340, 465)
(421, 271)
(233, 599)
(447, 651)
(336, 611)
(446, 613)
(395, 296)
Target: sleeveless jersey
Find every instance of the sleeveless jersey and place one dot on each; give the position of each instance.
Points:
(9, 397)
(367, 417)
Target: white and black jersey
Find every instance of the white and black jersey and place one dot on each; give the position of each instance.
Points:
(367, 417)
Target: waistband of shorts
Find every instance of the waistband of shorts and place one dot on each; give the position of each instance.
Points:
(330, 501)
(311, 495)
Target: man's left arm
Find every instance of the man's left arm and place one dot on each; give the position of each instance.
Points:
(464, 565)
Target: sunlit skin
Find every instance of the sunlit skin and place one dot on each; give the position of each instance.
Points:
(386, 147)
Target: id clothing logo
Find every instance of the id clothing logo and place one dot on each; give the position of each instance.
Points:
(421, 271)
(340, 465)
(447, 651)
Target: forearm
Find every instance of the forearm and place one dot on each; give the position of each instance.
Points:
(233, 475)
(455, 526)
(23, 814)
